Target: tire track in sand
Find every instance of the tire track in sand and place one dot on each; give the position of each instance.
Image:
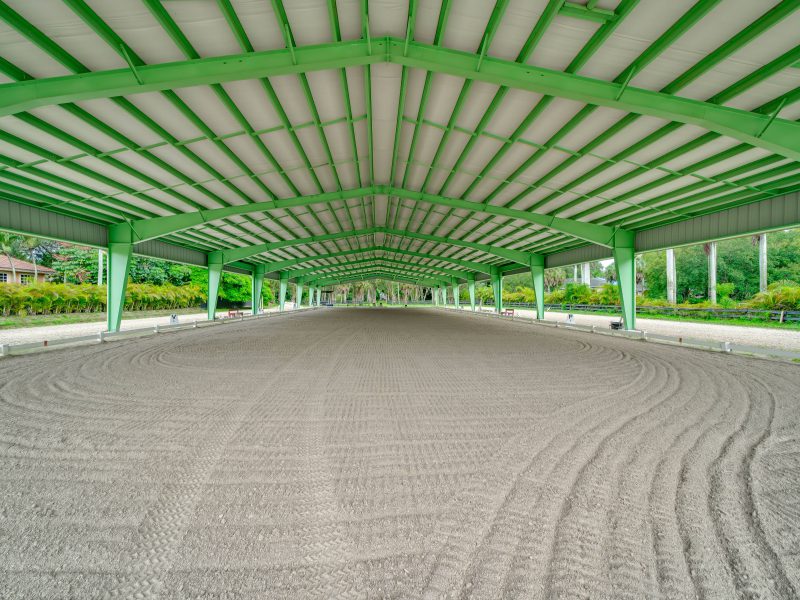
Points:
(161, 530)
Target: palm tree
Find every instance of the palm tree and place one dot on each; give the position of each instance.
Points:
(554, 278)
(34, 249)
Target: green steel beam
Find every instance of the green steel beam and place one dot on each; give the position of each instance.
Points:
(688, 20)
(283, 21)
(539, 29)
(542, 24)
(368, 276)
(235, 254)
(590, 232)
(581, 11)
(368, 46)
(777, 135)
(356, 269)
(337, 36)
(387, 272)
(140, 230)
(164, 19)
(747, 35)
(116, 43)
(444, 12)
(151, 228)
(506, 253)
(475, 266)
(304, 273)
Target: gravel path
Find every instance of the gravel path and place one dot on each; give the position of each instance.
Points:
(397, 453)
(57, 332)
(767, 337)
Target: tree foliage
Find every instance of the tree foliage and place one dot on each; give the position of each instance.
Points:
(57, 298)
(737, 264)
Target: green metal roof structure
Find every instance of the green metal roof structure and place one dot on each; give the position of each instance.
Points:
(445, 140)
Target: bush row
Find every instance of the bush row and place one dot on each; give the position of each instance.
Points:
(781, 295)
(56, 298)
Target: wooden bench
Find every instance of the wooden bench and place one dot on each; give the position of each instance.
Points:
(235, 313)
(508, 312)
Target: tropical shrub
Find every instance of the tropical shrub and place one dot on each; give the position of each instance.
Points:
(577, 293)
(607, 294)
(781, 295)
(55, 298)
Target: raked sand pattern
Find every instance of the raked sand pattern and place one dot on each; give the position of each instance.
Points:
(351, 453)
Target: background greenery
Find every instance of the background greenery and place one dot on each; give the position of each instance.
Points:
(154, 284)
(158, 283)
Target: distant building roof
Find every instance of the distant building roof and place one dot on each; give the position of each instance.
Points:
(596, 281)
(22, 266)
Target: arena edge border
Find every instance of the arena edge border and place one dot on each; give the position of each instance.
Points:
(108, 336)
(724, 347)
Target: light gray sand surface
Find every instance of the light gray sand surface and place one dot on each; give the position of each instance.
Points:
(397, 453)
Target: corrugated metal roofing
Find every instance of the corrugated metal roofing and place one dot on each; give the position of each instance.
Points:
(194, 147)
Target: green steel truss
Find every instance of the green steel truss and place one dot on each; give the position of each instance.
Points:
(760, 130)
(354, 176)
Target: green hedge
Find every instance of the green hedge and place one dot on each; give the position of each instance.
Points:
(58, 298)
(781, 295)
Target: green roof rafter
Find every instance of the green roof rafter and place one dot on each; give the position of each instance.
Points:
(236, 254)
(387, 272)
(294, 274)
(763, 131)
(373, 274)
(467, 264)
(468, 147)
(151, 228)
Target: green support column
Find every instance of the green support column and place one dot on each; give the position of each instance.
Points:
(311, 290)
(214, 276)
(537, 273)
(455, 294)
(435, 295)
(299, 303)
(257, 285)
(319, 295)
(284, 283)
(471, 286)
(497, 289)
(119, 264)
(626, 280)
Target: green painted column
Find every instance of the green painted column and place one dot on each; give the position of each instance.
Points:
(319, 295)
(497, 289)
(284, 284)
(310, 295)
(455, 294)
(257, 285)
(299, 286)
(471, 286)
(537, 273)
(214, 276)
(625, 263)
(435, 296)
(119, 264)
